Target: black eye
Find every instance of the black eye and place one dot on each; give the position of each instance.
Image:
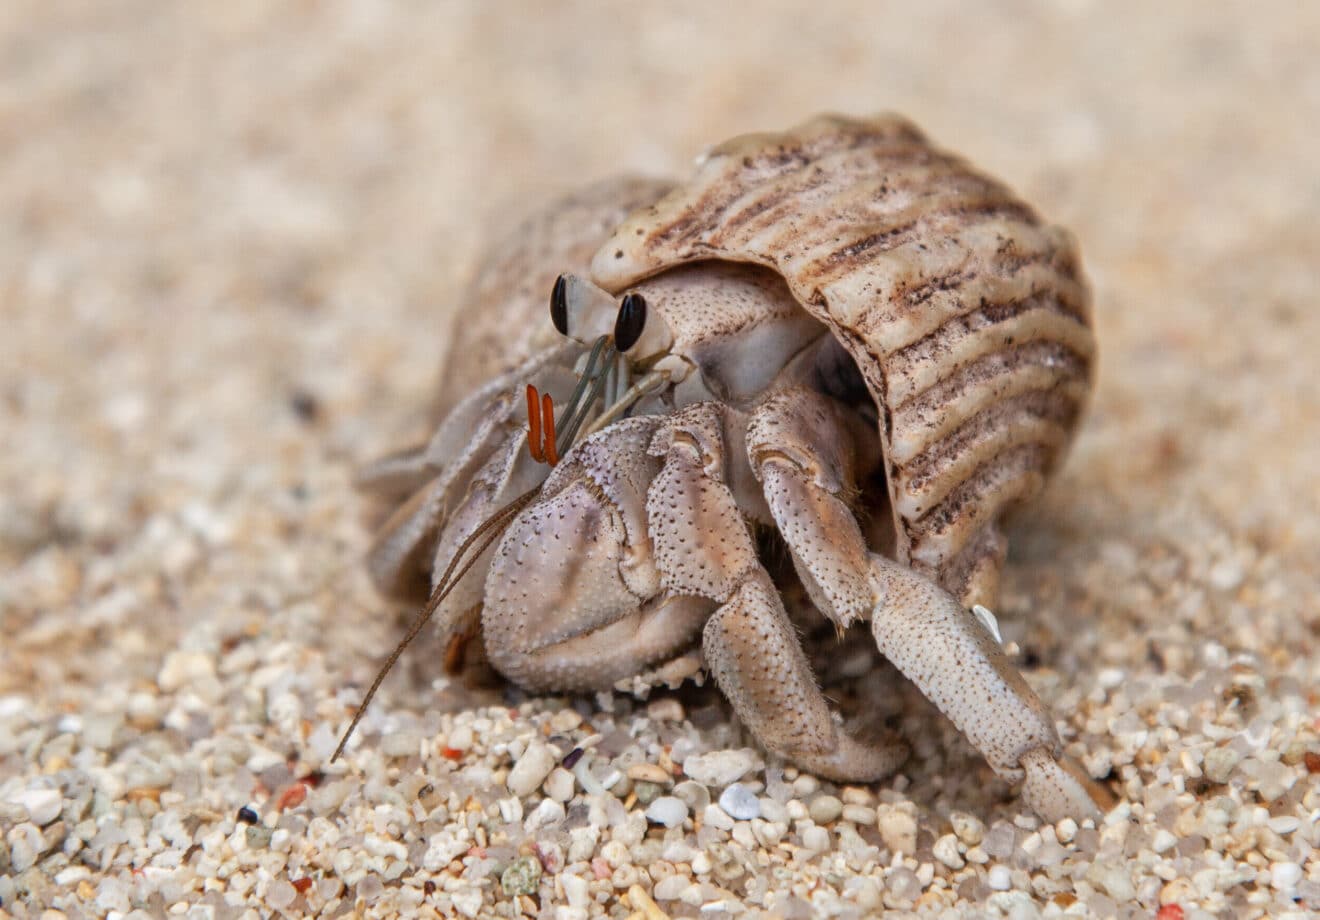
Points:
(559, 305)
(632, 318)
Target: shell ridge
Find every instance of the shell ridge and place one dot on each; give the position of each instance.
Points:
(934, 473)
(913, 370)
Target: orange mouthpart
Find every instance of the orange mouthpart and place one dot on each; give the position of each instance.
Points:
(541, 427)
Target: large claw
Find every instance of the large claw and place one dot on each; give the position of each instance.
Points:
(572, 601)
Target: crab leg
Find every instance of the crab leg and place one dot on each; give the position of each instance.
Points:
(508, 472)
(703, 548)
(798, 446)
(439, 473)
(464, 433)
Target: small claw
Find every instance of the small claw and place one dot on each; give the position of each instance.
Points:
(1053, 789)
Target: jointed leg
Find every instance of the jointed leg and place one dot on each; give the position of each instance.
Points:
(438, 475)
(756, 658)
(703, 547)
(798, 447)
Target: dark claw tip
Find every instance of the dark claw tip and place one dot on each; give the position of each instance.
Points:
(559, 305)
(630, 322)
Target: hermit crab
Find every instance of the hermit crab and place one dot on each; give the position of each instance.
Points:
(839, 339)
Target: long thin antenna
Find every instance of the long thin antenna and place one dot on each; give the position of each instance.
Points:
(441, 591)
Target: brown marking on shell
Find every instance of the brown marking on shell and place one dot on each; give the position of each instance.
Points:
(967, 315)
(502, 318)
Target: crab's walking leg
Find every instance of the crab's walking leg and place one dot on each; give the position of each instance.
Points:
(572, 599)
(438, 473)
(703, 547)
(799, 446)
(507, 473)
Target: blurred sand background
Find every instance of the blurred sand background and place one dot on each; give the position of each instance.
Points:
(231, 236)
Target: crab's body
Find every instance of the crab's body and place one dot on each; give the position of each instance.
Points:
(842, 323)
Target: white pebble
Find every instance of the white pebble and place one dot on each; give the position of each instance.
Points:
(1220, 762)
(582, 843)
(1113, 879)
(1066, 830)
(739, 802)
(559, 785)
(280, 894)
(717, 818)
(769, 833)
(969, 828)
(667, 810)
(43, 805)
(816, 839)
(946, 851)
(1273, 778)
(467, 902)
(548, 813)
(898, 830)
(384, 847)
(1163, 841)
(322, 742)
(1284, 876)
(805, 786)
(671, 888)
(824, 809)
(25, 844)
(859, 814)
(677, 851)
(999, 878)
(1284, 824)
(112, 896)
(511, 810)
(695, 794)
(531, 770)
(565, 720)
(719, 768)
(575, 891)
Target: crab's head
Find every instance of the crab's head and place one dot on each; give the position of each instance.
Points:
(711, 330)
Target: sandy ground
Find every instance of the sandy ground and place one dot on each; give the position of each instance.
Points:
(230, 238)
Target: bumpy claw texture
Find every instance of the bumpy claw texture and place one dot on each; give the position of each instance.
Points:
(848, 339)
